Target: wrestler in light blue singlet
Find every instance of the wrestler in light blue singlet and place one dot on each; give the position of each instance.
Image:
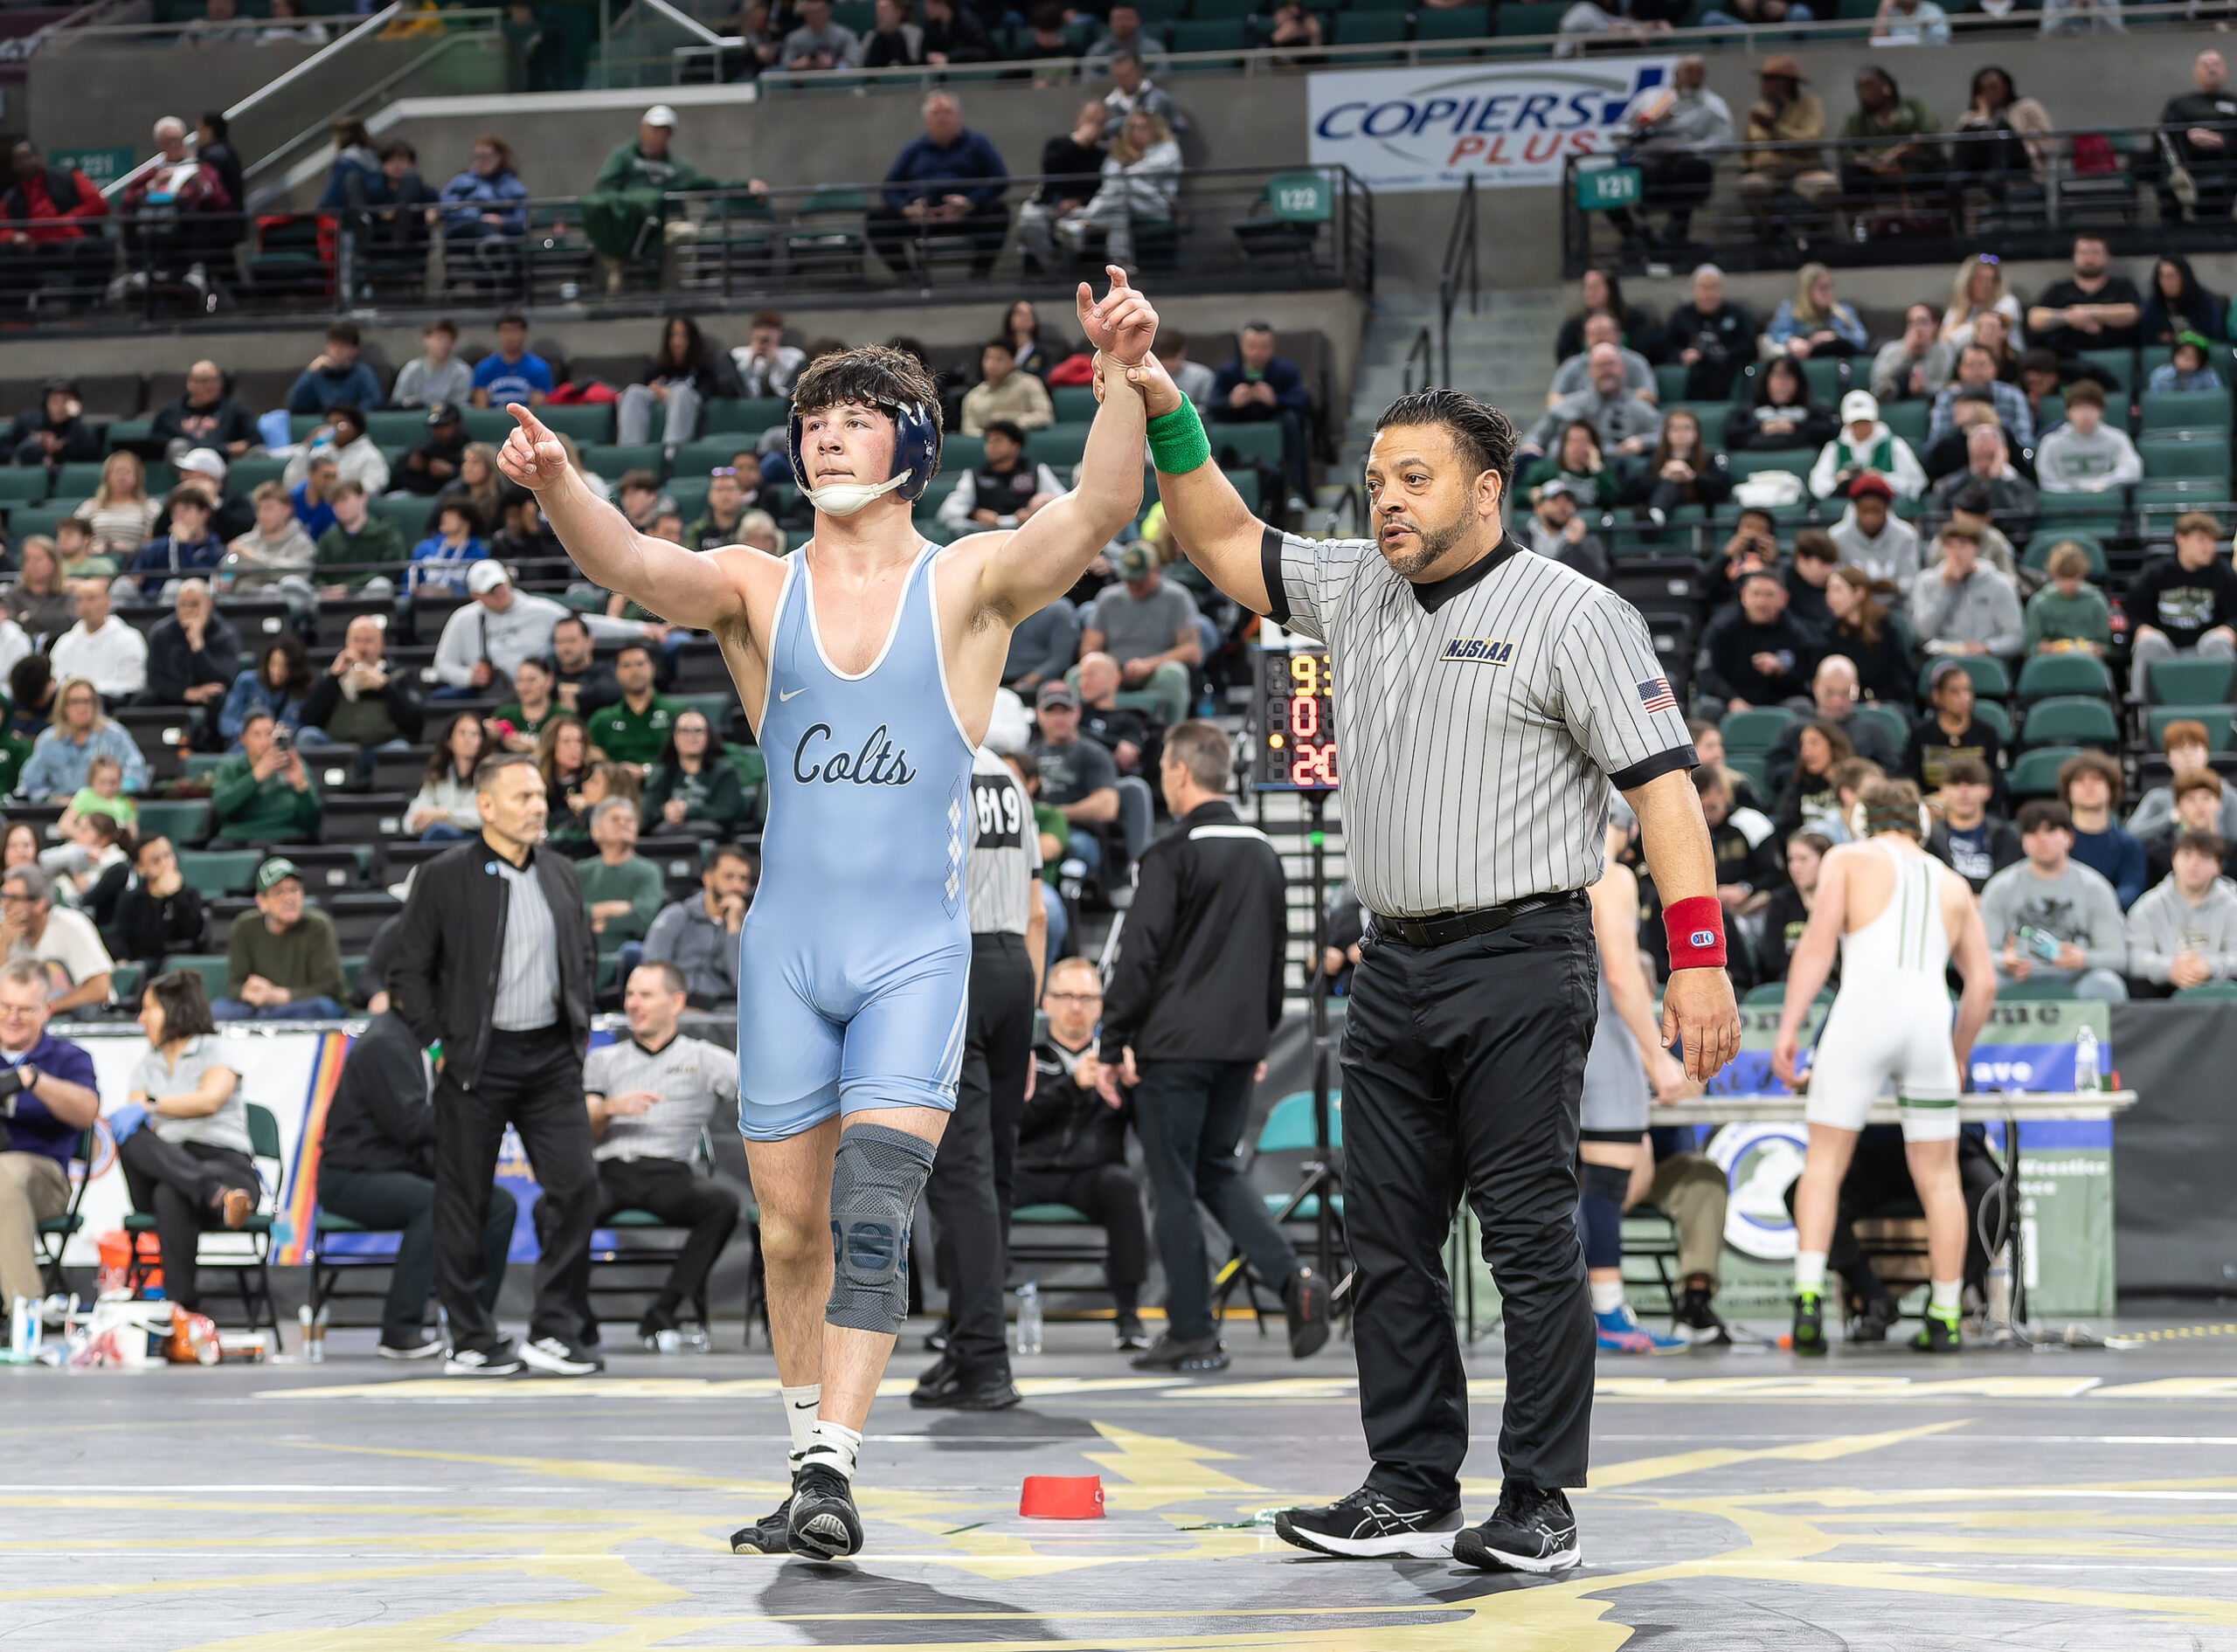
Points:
(855, 958)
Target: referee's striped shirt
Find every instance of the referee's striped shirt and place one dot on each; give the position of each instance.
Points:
(1479, 720)
(1002, 877)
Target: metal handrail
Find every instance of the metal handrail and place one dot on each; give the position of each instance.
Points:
(689, 24)
(1459, 252)
(1259, 60)
(379, 20)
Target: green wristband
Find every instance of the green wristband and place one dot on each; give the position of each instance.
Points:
(1178, 444)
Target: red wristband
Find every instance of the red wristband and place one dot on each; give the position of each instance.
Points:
(1695, 929)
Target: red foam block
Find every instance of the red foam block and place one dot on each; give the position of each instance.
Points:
(1056, 1496)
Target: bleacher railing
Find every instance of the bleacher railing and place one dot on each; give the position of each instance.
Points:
(1232, 229)
(1775, 205)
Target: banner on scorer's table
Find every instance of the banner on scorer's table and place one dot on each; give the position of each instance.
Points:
(1510, 125)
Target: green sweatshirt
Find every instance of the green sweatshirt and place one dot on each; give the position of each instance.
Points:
(2080, 617)
(636, 880)
(713, 794)
(377, 541)
(628, 168)
(632, 737)
(252, 811)
(307, 960)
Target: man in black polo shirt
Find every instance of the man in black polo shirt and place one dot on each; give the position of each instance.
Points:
(1126, 734)
(2095, 309)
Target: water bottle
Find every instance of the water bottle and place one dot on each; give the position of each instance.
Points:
(1999, 1287)
(1028, 1317)
(2087, 1079)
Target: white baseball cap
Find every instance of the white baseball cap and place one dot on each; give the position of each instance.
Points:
(1859, 404)
(203, 461)
(485, 575)
(659, 115)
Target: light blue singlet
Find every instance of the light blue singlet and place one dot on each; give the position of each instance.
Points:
(856, 957)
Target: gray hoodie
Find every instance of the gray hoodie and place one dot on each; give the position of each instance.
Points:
(2068, 462)
(2162, 923)
(2156, 808)
(1893, 555)
(2078, 905)
(1983, 607)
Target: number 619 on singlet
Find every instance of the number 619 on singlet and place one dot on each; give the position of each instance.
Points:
(1293, 723)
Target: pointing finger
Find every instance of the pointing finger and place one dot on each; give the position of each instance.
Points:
(1086, 302)
(528, 422)
(1118, 279)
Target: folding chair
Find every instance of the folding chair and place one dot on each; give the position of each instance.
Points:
(252, 1272)
(56, 1232)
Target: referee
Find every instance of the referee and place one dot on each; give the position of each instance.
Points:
(1486, 699)
(969, 1192)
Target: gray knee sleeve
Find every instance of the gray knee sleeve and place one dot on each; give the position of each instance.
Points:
(875, 1177)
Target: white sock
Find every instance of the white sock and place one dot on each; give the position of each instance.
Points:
(1810, 1271)
(799, 1417)
(1606, 1296)
(833, 1445)
(1945, 1294)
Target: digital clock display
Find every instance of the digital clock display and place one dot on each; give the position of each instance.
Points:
(1294, 728)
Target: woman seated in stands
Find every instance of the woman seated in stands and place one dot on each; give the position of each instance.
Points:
(478, 483)
(1872, 639)
(1038, 348)
(120, 516)
(278, 687)
(2178, 304)
(531, 706)
(679, 380)
(444, 811)
(1792, 903)
(1679, 471)
(1291, 28)
(20, 846)
(65, 750)
(1141, 177)
(1603, 292)
(40, 599)
(693, 787)
(563, 757)
(1780, 415)
(1578, 463)
(484, 202)
(182, 1137)
(1814, 321)
(1812, 797)
(601, 781)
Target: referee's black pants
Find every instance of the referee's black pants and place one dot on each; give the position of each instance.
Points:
(972, 1173)
(533, 1082)
(1464, 1067)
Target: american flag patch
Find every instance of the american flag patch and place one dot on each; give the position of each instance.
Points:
(1655, 696)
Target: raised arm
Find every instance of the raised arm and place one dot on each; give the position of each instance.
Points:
(690, 588)
(1209, 521)
(1045, 555)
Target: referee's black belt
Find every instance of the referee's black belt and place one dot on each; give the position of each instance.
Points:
(1442, 928)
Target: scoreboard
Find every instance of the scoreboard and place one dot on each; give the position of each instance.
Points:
(1293, 723)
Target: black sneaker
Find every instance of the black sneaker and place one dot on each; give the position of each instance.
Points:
(423, 1344)
(1131, 1337)
(1533, 1530)
(656, 1320)
(1171, 1353)
(1696, 1321)
(770, 1534)
(1808, 1323)
(1305, 1301)
(823, 1523)
(1878, 1319)
(1367, 1524)
(936, 1338)
(950, 1387)
(501, 1361)
(1939, 1334)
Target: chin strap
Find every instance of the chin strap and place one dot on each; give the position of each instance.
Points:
(844, 499)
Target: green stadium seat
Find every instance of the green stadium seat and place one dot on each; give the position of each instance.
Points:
(77, 481)
(1827, 377)
(1997, 717)
(748, 418)
(2120, 363)
(1908, 419)
(120, 432)
(587, 423)
(2208, 990)
(2169, 458)
(2036, 773)
(1531, 16)
(22, 484)
(182, 821)
(2071, 720)
(410, 515)
(2048, 675)
(697, 458)
(1754, 731)
(611, 462)
(1459, 22)
(2198, 410)
(1891, 722)
(1990, 679)
(2189, 682)
(1209, 34)
(1062, 445)
(2049, 411)
(960, 453)
(215, 874)
(209, 965)
(2033, 991)
(1241, 443)
(2216, 719)
(1363, 28)
(689, 494)
(1794, 460)
(1075, 403)
(1670, 383)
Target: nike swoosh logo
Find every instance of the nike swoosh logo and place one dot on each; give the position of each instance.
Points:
(805, 1405)
(784, 695)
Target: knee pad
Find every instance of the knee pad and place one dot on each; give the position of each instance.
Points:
(1600, 1214)
(876, 1178)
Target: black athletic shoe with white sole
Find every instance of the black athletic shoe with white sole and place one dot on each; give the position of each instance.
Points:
(1366, 1524)
(770, 1534)
(503, 1360)
(1532, 1531)
(557, 1358)
(824, 1525)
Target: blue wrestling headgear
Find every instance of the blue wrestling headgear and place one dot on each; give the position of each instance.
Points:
(853, 377)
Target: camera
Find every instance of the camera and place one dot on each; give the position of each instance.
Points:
(282, 736)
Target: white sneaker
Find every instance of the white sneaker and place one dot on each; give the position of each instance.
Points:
(550, 1354)
(427, 1348)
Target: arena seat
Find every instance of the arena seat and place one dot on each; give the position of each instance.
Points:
(2052, 531)
(1992, 713)
(252, 1273)
(2188, 681)
(746, 417)
(2071, 720)
(1891, 722)
(1990, 679)
(2160, 412)
(2216, 719)
(2036, 773)
(2075, 673)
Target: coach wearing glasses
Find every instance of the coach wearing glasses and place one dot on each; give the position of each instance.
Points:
(1476, 783)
